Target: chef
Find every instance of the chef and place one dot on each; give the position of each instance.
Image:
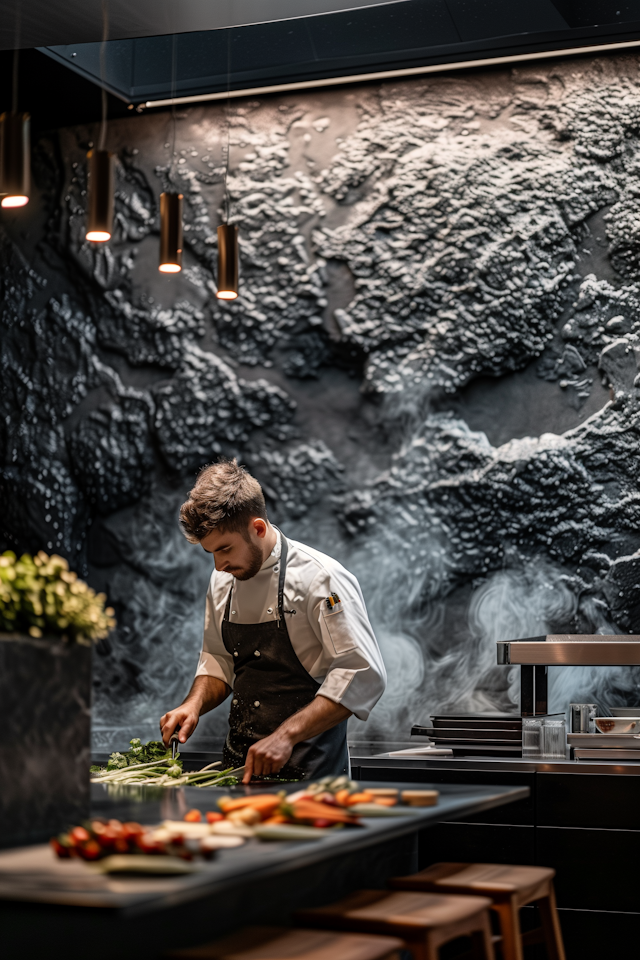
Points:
(286, 635)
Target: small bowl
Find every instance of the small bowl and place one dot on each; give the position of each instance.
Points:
(618, 725)
(625, 711)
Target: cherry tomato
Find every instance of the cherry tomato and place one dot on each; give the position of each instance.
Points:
(79, 835)
(131, 830)
(213, 817)
(193, 816)
(61, 849)
(90, 850)
(321, 822)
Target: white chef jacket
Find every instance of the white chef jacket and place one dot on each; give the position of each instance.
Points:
(336, 646)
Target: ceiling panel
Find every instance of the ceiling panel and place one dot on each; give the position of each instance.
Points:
(41, 23)
(407, 35)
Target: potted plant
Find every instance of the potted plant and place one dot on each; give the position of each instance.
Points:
(48, 621)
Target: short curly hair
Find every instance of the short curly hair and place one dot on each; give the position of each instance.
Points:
(225, 497)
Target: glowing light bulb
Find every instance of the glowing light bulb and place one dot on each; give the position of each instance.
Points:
(16, 201)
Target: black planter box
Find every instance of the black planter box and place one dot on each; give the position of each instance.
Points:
(45, 737)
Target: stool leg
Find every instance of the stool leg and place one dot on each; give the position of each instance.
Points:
(551, 926)
(482, 941)
(510, 929)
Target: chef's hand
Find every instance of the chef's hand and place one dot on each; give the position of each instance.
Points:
(205, 694)
(185, 717)
(268, 756)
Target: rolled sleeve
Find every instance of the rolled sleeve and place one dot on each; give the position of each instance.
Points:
(355, 675)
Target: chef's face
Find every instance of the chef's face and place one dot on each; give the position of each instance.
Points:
(239, 553)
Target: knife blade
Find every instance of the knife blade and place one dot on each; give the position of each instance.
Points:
(175, 745)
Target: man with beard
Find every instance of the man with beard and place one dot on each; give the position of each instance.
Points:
(286, 633)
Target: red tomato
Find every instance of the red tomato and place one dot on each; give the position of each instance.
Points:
(213, 817)
(62, 851)
(147, 845)
(131, 830)
(79, 835)
(193, 816)
(90, 850)
(322, 823)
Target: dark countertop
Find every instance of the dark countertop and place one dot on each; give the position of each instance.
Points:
(35, 875)
(501, 764)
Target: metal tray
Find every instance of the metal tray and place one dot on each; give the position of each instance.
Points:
(477, 721)
(461, 733)
(603, 741)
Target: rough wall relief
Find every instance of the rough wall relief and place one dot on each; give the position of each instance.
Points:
(440, 286)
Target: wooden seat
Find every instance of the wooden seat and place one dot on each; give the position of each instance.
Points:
(281, 943)
(424, 921)
(510, 888)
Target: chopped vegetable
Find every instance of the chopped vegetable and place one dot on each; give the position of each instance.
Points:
(378, 810)
(193, 816)
(420, 798)
(312, 810)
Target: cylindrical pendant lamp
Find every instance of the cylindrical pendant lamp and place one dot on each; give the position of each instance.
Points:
(170, 233)
(101, 189)
(15, 160)
(227, 261)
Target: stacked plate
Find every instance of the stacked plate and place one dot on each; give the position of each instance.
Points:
(617, 738)
(490, 734)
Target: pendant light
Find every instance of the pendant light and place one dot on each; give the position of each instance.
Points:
(14, 159)
(227, 261)
(228, 232)
(101, 189)
(170, 233)
(101, 164)
(171, 202)
(15, 149)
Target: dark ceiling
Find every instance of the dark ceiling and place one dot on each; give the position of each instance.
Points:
(396, 36)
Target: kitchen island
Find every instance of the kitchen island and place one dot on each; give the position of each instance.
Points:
(580, 817)
(49, 905)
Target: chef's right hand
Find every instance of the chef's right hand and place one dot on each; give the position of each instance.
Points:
(185, 717)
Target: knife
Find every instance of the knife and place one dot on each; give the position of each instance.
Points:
(175, 745)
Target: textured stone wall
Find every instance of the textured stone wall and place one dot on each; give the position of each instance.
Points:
(433, 370)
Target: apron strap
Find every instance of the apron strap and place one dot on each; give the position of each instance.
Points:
(284, 550)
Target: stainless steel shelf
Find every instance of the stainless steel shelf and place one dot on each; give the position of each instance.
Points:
(571, 650)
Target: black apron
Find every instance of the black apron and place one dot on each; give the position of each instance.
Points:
(270, 686)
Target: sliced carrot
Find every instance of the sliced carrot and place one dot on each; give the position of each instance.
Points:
(362, 797)
(342, 797)
(385, 801)
(276, 818)
(264, 803)
(312, 810)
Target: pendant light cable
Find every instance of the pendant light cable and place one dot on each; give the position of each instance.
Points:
(226, 172)
(103, 72)
(174, 63)
(16, 61)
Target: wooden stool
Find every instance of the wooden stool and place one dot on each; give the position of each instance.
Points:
(510, 888)
(281, 943)
(425, 921)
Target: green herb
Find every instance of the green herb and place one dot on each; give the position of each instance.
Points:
(151, 764)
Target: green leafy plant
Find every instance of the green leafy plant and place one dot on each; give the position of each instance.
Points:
(41, 596)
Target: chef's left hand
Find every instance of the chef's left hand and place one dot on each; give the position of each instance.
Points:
(268, 756)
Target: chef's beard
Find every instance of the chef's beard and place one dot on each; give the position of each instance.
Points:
(246, 573)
